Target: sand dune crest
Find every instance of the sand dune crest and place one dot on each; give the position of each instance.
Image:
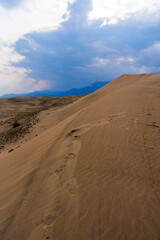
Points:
(94, 175)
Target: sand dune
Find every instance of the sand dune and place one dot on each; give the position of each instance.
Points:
(93, 176)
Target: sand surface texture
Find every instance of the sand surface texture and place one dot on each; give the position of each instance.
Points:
(94, 175)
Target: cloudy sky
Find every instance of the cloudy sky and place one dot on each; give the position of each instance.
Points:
(63, 44)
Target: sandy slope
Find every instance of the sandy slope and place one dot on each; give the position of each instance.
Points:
(93, 176)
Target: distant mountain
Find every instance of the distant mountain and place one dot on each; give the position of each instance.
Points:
(75, 91)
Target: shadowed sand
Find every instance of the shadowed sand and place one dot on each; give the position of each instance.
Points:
(93, 176)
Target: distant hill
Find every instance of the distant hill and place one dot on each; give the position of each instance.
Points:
(75, 91)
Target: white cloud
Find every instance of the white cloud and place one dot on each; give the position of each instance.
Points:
(14, 79)
(152, 50)
(30, 16)
(143, 61)
(113, 11)
(99, 62)
(10, 75)
(111, 60)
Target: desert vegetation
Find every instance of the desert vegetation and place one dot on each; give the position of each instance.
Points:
(18, 115)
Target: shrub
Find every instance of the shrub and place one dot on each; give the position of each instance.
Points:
(11, 150)
(16, 124)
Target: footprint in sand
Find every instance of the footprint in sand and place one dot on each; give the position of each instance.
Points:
(112, 117)
(153, 124)
(70, 156)
(60, 169)
(71, 188)
(53, 215)
(76, 137)
(49, 221)
(70, 134)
